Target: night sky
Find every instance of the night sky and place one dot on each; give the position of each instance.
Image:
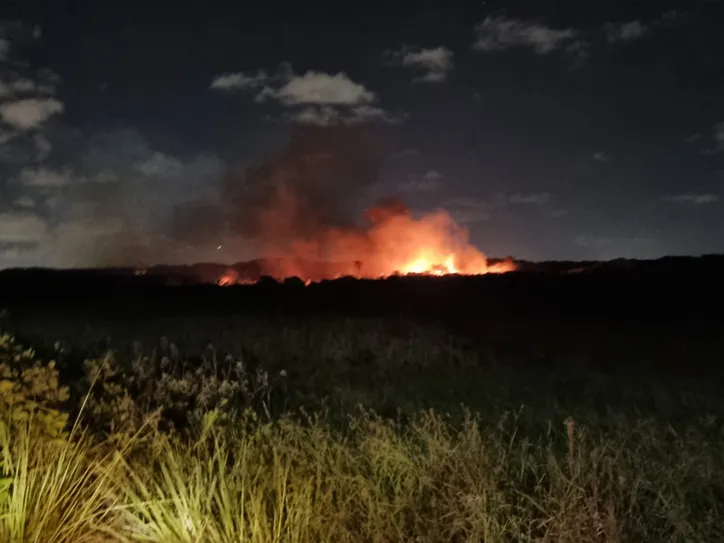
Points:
(551, 130)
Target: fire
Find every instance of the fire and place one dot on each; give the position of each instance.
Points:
(294, 208)
(230, 277)
(392, 242)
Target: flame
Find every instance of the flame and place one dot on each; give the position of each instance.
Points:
(231, 277)
(393, 242)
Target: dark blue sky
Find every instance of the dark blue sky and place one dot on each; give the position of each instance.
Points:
(552, 130)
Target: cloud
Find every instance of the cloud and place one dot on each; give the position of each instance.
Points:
(17, 86)
(45, 178)
(719, 136)
(600, 156)
(437, 62)
(625, 32)
(432, 175)
(330, 116)
(578, 49)
(310, 88)
(501, 33)
(539, 199)
(48, 178)
(692, 199)
(26, 94)
(117, 202)
(160, 165)
(239, 81)
(314, 97)
(24, 202)
(320, 88)
(29, 113)
(21, 227)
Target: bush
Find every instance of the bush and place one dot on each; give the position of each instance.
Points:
(173, 448)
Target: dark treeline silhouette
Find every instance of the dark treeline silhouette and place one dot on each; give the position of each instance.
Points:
(672, 288)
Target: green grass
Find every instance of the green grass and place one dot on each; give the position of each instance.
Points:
(366, 430)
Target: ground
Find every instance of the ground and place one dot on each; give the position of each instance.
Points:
(594, 394)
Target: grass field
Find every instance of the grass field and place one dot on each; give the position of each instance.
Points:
(271, 428)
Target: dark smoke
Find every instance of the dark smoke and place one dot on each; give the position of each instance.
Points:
(296, 195)
(310, 186)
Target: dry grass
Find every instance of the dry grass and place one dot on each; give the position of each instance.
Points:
(554, 470)
(378, 480)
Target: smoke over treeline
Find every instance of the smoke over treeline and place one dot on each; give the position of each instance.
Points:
(291, 202)
(293, 208)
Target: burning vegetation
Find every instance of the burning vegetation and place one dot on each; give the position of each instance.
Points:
(392, 242)
(300, 210)
(299, 204)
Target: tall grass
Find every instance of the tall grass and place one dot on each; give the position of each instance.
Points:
(298, 480)
(559, 469)
(56, 491)
(378, 480)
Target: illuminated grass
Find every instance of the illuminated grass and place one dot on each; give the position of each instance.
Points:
(632, 463)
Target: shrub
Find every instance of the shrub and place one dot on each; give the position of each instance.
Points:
(30, 391)
(180, 390)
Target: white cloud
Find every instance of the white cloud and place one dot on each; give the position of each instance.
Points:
(436, 62)
(500, 33)
(366, 113)
(312, 98)
(29, 113)
(328, 115)
(239, 81)
(322, 89)
(692, 198)
(45, 178)
(540, 198)
(24, 202)
(17, 86)
(321, 116)
(21, 227)
(160, 165)
(625, 32)
(310, 88)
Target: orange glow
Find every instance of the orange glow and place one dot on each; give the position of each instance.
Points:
(230, 277)
(392, 242)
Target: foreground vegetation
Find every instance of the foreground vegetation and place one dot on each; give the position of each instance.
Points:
(344, 431)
